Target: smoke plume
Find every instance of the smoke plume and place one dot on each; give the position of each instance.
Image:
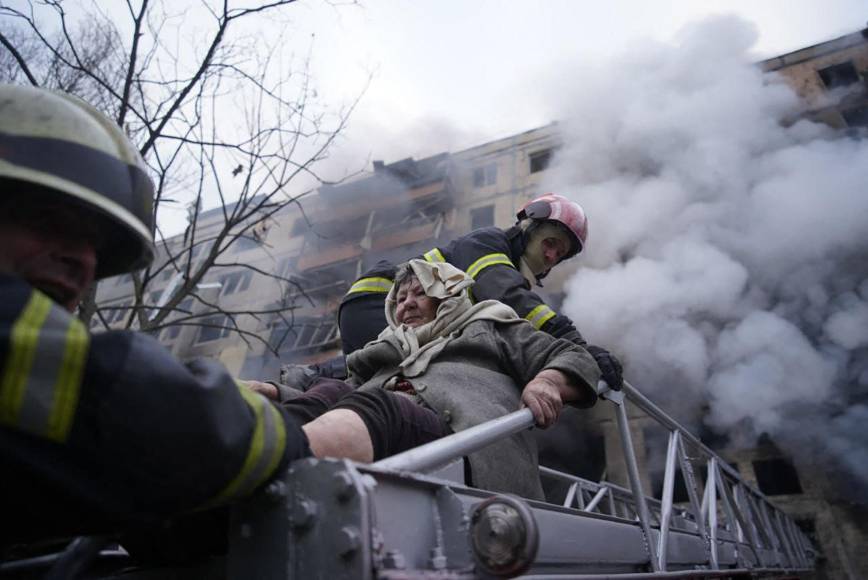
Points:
(728, 255)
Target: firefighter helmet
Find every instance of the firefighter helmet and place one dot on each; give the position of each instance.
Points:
(558, 209)
(67, 148)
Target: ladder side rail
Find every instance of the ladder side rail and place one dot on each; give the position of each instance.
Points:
(693, 494)
(704, 506)
(783, 553)
(769, 532)
(642, 402)
(711, 505)
(437, 453)
(741, 496)
(620, 499)
(789, 548)
(800, 540)
(571, 494)
(621, 493)
(735, 519)
(746, 534)
(763, 532)
(802, 543)
(611, 497)
(633, 474)
(592, 505)
(780, 550)
(668, 490)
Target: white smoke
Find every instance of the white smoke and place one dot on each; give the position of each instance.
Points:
(728, 257)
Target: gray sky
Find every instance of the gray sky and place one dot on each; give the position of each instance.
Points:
(453, 73)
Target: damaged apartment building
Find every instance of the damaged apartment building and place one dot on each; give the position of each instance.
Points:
(402, 209)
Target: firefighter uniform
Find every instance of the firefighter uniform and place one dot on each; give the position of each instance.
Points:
(490, 256)
(108, 430)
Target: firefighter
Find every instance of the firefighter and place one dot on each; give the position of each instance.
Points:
(105, 431)
(504, 265)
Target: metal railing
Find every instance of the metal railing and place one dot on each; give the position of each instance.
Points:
(721, 506)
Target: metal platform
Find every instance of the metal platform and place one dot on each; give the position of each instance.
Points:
(410, 517)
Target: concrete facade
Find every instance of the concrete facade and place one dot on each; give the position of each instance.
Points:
(831, 78)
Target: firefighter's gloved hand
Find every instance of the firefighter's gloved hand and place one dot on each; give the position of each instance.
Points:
(609, 365)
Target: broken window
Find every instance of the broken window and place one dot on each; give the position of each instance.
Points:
(235, 282)
(482, 217)
(117, 313)
(839, 75)
(777, 476)
(213, 328)
(486, 175)
(540, 160)
(304, 334)
(856, 117)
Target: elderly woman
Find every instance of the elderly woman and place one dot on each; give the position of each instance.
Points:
(445, 364)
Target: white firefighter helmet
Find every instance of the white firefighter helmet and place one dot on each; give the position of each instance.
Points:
(67, 148)
(559, 210)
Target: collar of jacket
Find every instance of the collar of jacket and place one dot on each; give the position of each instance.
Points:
(517, 244)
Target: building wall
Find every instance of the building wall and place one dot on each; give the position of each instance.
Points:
(830, 77)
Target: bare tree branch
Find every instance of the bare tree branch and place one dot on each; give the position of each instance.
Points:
(20, 59)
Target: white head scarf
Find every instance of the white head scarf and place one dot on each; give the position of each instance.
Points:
(455, 311)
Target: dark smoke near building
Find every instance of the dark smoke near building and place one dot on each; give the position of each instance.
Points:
(728, 259)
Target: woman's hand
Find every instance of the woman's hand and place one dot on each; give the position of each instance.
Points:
(267, 390)
(543, 397)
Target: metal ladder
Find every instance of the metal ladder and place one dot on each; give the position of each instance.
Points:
(411, 516)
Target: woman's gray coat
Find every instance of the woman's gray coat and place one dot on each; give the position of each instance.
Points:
(479, 376)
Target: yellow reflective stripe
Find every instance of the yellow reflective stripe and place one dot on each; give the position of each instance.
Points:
(434, 255)
(486, 261)
(371, 285)
(267, 445)
(68, 387)
(40, 389)
(540, 315)
(22, 350)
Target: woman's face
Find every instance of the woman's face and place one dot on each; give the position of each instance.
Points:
(413, 307)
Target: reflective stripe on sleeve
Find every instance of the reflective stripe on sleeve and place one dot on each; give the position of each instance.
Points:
(434, 255)
(540, 315)
(371, 285)
(486, 261)
(41, 382)
(267, 444)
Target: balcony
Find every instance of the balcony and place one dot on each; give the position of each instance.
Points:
(338, 253)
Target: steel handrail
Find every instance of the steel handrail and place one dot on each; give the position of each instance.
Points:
(746, 521)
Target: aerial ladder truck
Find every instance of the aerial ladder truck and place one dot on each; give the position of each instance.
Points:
(411, 516)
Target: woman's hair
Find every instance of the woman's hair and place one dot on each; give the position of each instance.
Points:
(404, 274)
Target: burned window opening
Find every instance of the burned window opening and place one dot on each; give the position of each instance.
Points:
(303, 334)
(420, 212)
(839, 75)
(540, 160)
(485, 175)
(777, 476)
(214, 328)
(482, 217)
(856, 117)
